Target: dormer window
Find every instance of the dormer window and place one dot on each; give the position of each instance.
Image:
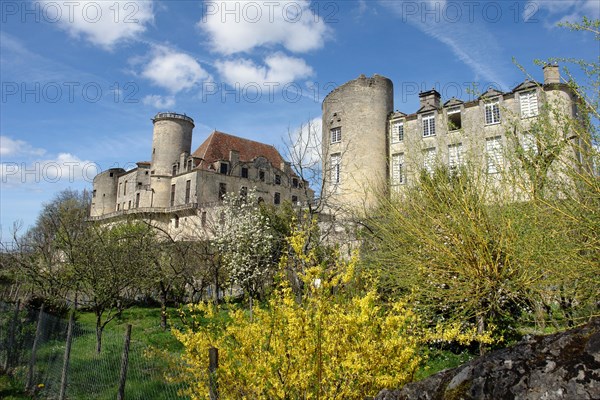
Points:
(174, 172)
(295, 183)
(429, 124)
(261, 175)
(529, 104)
(244, 172)
(454, 119)
(223, 168)
(278, 179)
(492, 112)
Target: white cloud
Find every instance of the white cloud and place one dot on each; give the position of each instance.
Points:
(173, 71)
(463, 37)
(14, 147)
(158, 101)
(65, 168)
(240, 26)
(277, 68)
(103, 23)
(567, 10)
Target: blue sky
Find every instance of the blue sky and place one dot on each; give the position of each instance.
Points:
(81, 80)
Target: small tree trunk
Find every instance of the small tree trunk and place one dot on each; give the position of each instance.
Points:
(98, 333)
(163, 306)
(480, 331)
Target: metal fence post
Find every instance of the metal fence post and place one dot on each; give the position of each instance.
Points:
(124, 363)
(213, 364)
(63, 380)
(10, 345)
(38, 332)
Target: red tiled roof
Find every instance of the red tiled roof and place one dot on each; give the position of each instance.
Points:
(217, 146)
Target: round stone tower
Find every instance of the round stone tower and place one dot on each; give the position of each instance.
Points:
(172, 136)
(104, 197)
(355, 142)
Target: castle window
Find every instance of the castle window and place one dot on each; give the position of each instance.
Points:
(111, 174)
(336, 160)
(278, 179)
(174, 172)
(137, 200)
(336, 135)
(188, 184)
(295, 200)
(397, 132)
(222, 190)
(454, 119)
(529, 143)
(455, 155)
(429, 159)
(493, 151)
(492, 112)
(529, 104)
(129, 205)
(277, 198)
(190, 165)
(176, 221)
(429, 124)
(118, 206)
(397, 169)
(261, 176)
(295, 182)
(94, 193)
(172, 195)
(244, 172)
(125, 188)
(223, 168)
(203, 219)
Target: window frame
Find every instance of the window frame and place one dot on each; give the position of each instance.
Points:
(398, 175)
(335, 135)
(457, 162)
(398, 132)
(452, 111)
(493, 155)
(336, 169)
(492, 109)
(525, 106)
(428, 124)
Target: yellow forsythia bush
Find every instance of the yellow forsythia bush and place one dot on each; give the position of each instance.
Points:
(325, 345)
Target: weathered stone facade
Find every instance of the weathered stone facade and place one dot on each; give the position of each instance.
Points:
(180, 191)
(367, 147)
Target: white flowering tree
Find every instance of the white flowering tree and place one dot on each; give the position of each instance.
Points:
(245, 241)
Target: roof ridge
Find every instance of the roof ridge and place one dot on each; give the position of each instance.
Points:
(243, 138)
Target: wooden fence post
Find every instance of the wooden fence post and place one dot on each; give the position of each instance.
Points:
(38, 332)
(213, 365)
(10, 345)
(124, 363)
(65, 370)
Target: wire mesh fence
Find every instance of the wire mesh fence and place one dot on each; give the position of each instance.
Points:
(89, 375)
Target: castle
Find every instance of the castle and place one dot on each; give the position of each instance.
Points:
(368, 148)
(179, 189)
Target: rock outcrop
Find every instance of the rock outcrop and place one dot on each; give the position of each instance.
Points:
(564, 365)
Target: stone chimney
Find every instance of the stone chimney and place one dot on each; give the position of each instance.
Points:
(551, 74)
(234, 160)
(431, 97)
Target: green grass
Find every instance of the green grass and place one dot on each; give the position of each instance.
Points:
(96, 376)
(438, 360)
(11, 389)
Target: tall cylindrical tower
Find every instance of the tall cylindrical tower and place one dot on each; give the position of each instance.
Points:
(104, 197)
(172, 136)
(355, 142)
